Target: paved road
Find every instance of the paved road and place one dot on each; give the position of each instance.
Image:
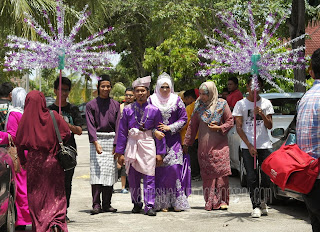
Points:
(289, 216)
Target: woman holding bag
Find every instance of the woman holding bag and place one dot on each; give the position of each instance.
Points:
(46, 191)
(13, 119)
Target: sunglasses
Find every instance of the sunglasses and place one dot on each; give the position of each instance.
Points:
(165, 87)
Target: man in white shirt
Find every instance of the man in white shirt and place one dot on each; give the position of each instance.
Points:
(244, 115)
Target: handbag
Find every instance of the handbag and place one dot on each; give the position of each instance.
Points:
(67, 155)
(12, 150)
(290, 167)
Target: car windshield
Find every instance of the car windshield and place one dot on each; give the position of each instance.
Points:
(284, 106)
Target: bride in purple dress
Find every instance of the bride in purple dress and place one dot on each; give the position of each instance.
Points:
(170, 189)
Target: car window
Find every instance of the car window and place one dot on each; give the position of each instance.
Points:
(284, 106)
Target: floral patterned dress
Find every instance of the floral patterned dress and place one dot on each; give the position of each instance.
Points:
(170, 189)
(213, 154)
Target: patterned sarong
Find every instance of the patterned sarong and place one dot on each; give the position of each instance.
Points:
(103, 167)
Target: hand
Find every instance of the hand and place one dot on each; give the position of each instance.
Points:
(258, 110)
(159, 160)
(214, 127)
(120, 159)
(163, 127)
(116, 155)
(185, 149)
(98, 147)
(252, 150)
(159, 135)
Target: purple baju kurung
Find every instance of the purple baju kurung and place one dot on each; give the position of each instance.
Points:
(170, 191)
(127, 122)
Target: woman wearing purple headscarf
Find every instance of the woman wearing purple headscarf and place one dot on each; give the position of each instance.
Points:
(170, 191)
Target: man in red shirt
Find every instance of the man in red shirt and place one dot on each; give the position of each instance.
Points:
(234, 93)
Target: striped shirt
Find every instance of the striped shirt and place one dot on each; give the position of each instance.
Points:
(308, 121)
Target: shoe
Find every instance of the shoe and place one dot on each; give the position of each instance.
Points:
(109, 209)
(264, 210)
(21, 227)
(256, 213)
(124, 191)
(164, 210)
(197, 178)
(136, 209)
(224, 207)
(67, 219)
(151, 212)
(176, 210)
(96, 211)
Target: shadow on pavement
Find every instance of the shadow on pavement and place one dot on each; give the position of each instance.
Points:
(292, 207)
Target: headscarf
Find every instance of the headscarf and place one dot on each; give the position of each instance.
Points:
(164, 103)
(142, 81)
(18, 100)
(36, 130)
(207, 110)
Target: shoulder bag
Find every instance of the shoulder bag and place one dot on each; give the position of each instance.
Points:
(12, 150)
(291, 168)
(67, 155)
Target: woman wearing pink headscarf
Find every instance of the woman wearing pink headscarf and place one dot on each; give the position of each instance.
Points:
(170, 191)
(46, 189)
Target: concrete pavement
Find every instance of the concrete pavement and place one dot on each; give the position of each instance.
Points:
(291, 216)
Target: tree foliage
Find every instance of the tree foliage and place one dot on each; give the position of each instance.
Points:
(151, 36)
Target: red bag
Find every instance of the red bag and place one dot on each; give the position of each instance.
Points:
(291, 168)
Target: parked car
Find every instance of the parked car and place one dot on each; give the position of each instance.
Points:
(7, 192)
(284, 105)
(50, 101)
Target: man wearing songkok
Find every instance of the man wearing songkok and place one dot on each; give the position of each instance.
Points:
(101, 115)
(137, 148)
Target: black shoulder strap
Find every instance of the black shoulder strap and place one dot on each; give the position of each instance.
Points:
(56, 127)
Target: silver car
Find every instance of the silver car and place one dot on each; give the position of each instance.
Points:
(284, 105)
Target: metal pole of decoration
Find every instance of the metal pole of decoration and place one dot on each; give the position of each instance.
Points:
(255, 71)
(61, 66)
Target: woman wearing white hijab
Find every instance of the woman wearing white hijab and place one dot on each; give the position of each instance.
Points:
(13, 119)
(170, 191)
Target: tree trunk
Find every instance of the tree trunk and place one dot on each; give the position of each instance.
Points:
(296, 28)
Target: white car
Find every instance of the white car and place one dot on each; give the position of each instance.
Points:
(284, 105)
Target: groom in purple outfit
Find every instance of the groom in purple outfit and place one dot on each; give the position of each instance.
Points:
(137, 148)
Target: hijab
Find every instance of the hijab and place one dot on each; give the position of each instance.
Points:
(18, 100)
(36, 130)
(206, 110)
(164, 103)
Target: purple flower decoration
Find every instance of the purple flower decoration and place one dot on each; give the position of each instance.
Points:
(235, 54)
(79, 57)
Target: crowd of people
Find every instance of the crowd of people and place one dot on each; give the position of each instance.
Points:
(161, 138)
